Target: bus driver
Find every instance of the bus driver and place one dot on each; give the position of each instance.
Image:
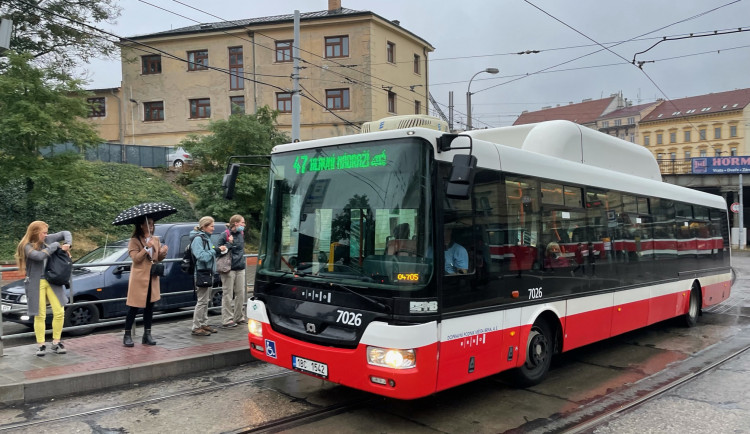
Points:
(456, 257)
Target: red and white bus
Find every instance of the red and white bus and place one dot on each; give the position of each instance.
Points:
(569, 237)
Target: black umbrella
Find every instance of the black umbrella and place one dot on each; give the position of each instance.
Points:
(136, 214)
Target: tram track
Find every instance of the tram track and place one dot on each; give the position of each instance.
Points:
(133, 404)
(591, 423)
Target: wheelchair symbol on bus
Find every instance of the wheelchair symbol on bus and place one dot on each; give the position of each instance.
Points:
(271, 349)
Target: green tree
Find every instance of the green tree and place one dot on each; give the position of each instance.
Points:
(39, 107)
(241, 134)
(54, 32)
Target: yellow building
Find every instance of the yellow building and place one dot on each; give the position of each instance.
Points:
(710, 125)
(357, 67)
(106, 114)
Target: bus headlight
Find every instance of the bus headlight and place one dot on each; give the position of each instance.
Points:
(255, 328)
(391, 358)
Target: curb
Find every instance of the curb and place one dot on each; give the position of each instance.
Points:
(113, 377)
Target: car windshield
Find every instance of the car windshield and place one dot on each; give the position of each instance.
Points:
(355, 213)
(105, 254)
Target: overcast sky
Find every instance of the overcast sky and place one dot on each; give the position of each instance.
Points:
(472, 35)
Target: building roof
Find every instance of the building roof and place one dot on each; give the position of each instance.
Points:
(627, 111)
(581, 113)
(700, 105)
(247, 22)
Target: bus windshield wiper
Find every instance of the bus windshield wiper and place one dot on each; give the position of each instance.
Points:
(383, 307)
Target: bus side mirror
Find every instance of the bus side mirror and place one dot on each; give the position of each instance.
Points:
(230, 178)
(461, 181)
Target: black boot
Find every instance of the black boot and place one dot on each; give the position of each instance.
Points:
(147, 337)
(127, 340)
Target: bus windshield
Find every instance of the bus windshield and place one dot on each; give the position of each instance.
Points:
(357, 214)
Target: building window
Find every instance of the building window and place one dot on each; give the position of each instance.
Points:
(733, 152)
(200, 108)
(632, 138)
(197, 60)
(417, 64)
(391, 102)
(646, 140)
(236, 69)
(658, 139)
(284, 102)
(618, 122)
(659, 156)
(703, 153)
(673, 137)
(687, 136)
(337, 46)
(337, 99)
(717, 152)
(417, 107)
(702, 134)
(237, 105)
(153, 111)
(151, 64)
(605, 124)
(717, 133)
(97, 108)
(390, 52)
(687, 154)
(673, 156)
(284, 51)
(631, 121)
(733, 131)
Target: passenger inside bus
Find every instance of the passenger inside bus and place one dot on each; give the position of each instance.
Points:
(399, 243)
(456, 256)
(554, 257)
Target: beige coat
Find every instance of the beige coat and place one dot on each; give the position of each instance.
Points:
(140, 273)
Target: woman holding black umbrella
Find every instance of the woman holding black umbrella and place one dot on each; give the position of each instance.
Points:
(146, 252)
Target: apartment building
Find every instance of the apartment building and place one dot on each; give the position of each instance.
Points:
(710, 125)
(623, 122)
(356, 67)
(584, 113)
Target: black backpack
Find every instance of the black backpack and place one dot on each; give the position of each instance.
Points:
(187, 264)
(59, 268)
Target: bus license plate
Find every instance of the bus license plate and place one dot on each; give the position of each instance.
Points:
(317, 368)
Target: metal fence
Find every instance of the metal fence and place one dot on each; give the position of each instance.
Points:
(121, 320)
(675, 167)
(144, 156)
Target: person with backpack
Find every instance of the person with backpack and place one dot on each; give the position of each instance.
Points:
(31, 255)
(146, 251)
(233, 281)
(205, 255)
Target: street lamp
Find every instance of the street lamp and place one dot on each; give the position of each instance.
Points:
(468, 95)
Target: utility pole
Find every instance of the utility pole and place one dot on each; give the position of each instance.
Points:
(296, 109)
(743, 238)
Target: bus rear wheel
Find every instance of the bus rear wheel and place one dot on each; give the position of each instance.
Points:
(539, 349)
(691, 317)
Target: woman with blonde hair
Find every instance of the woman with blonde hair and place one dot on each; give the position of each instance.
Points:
(205, 254)
(31, 256)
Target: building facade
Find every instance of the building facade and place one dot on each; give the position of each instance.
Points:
(356, 67)
(584, 113)
(623, 123)
(710, 125)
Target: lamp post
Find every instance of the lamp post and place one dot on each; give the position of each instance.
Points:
(468, 95)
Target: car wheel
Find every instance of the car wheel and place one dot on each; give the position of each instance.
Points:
(177, 164)
(85, 314)
(215, 300)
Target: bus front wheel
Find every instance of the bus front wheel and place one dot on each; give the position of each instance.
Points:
(539, 349)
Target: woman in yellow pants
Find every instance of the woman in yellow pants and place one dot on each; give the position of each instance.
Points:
(31, 255)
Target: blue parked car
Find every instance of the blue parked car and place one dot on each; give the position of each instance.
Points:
(106, 282)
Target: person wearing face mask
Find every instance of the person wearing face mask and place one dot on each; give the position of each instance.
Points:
(233, 282)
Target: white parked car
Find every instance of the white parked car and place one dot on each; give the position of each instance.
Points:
(178, 158)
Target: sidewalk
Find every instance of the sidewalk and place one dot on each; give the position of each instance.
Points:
(100, 361)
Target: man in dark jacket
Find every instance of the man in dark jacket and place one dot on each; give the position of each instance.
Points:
(233, 281)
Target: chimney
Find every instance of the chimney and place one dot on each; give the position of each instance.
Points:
(334, 5)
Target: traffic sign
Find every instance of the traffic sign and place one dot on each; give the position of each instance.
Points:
(735, 207)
